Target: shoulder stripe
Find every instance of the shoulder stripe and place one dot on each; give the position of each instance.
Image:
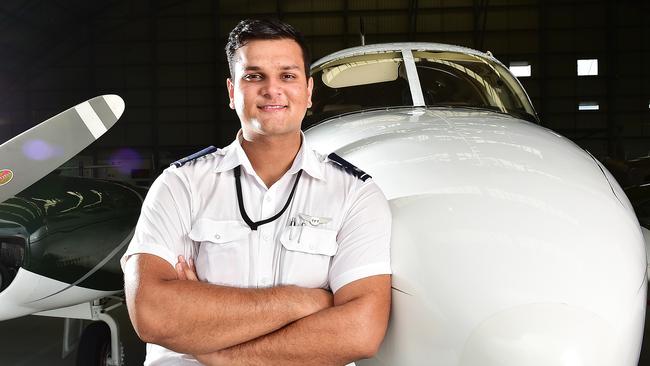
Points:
(196, 155)
(348, 167)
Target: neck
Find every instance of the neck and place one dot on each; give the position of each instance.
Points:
(271, 157)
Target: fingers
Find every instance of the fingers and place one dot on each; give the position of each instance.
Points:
(185, 270)
(179, 270)
(190, 271)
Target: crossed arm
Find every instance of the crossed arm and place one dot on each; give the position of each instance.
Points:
(236, 326)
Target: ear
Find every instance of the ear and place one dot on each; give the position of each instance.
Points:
(310, 88)
(231, 93)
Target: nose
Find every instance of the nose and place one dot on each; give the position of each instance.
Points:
(271, 88)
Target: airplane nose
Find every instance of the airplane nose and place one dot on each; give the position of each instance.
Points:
(505, 236)
(542, 335)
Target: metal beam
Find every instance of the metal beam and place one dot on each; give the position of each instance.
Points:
(480, 22)
(346, 30)
(413, 19)
(218, 71)
(153, 75)
(278, 9)
(615, 146)
(542, 56)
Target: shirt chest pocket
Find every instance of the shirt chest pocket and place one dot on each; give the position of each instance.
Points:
(223, 255)
(306, 255)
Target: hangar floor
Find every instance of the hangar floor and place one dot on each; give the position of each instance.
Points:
(36, 341)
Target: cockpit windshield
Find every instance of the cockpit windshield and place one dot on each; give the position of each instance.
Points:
(446, 79)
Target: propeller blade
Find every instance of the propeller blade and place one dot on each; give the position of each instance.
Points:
(36, 152)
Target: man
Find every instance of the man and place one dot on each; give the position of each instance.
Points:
(235, 249)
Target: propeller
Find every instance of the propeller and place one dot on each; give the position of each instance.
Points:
(33, 154)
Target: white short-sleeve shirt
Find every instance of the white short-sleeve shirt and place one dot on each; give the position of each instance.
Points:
(335, 230)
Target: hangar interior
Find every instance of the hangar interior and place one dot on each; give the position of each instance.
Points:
(584, 64)
(166, 59)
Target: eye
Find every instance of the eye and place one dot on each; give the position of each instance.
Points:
(288, 76)
(252, 77)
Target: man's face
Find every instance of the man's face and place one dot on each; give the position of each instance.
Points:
(270, 91)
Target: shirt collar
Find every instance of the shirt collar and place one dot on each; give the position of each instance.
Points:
(306, 159)
(234, 156)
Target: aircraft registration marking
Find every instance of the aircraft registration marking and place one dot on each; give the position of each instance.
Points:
(6, 175)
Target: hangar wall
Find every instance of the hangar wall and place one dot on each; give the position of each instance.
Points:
(165, 58)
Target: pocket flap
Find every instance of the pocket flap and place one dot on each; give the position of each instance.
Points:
(218, 231)
(311, 240)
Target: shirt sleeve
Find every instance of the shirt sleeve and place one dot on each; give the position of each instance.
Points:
(164, 221)
(364, 239)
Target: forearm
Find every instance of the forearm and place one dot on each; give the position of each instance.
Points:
(195, 317)
(334, 336)
(199, 317)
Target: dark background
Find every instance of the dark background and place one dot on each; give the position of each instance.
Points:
(166, 59)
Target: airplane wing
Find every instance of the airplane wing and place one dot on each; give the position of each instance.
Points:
(36, 152)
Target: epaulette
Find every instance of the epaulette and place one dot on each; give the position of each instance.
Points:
(348, 167)
(196, 155)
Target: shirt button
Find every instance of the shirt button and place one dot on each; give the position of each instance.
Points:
(266, 237)
(265, 281)
(217, 236)
(268, 198)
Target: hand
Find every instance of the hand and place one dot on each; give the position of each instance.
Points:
(186, 270)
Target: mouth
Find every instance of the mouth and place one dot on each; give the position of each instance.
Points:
(272, 107)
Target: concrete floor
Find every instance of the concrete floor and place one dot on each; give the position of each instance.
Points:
(37, 341)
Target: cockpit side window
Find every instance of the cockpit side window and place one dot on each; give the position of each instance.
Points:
(358, 83)
(441, 85)
(459, 79)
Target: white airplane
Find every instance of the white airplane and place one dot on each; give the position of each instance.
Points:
(511, 245)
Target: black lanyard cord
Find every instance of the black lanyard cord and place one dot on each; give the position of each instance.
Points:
(240, 200)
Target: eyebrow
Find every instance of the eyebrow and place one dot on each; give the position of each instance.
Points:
(257, 68)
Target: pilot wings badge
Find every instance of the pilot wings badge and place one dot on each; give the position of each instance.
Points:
(313, 220)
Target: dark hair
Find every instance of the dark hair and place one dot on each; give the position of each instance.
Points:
(255, 29)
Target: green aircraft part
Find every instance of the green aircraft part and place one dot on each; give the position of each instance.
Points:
(70, 229)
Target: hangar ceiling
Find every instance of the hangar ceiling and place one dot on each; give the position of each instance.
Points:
(165, 58)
